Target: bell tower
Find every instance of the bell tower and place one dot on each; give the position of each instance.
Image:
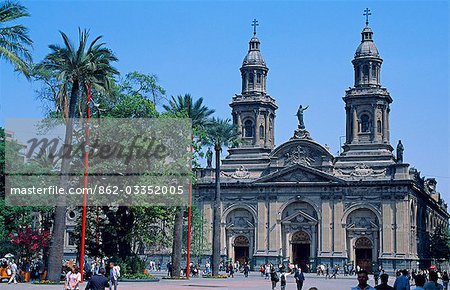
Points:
(253, 110)
(367, 105)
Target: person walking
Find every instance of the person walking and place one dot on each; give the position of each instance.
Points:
(433, 284)
(445, 280)
(98, 281)
(13, 269)
(420, 281)
(114, 275)
(363, 276)
(283, 281)
(274, 277)
(384, 283)
(299, 277)
(74, 279)
(246, 269)
(402, 281)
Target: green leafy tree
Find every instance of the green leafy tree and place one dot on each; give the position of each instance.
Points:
(87, 64)
(145, 85)
(185, 106)
(219, 133)
(440, 244)
(15, 44)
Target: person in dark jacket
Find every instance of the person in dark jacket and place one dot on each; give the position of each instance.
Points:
(98, 281)
(384, 283)
(299, 278)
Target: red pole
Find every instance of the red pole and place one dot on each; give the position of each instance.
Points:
(85, 183)
(188, 258)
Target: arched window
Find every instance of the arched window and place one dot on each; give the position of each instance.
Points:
(261, 131)
(366, 72)
(258, 78)
(379, 126)
(374, 71)
(248, 128)
(251, 78)
(365, 123)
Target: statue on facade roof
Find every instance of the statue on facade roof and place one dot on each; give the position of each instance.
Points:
(301, 124)
(209, 155)
(400, 150)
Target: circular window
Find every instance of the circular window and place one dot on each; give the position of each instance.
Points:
(72, 214)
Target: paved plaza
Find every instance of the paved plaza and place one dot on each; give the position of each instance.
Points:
(254, 281)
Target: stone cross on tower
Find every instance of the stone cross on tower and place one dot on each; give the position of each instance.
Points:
(367, 14)
(254, 24)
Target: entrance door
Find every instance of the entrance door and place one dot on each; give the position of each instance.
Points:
(241, 249)
(241, 254)
(363, 253)
(301, 249)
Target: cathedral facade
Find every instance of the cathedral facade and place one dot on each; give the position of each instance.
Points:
(299, 203)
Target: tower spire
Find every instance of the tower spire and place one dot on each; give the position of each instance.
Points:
(254, 24)
(367, 14)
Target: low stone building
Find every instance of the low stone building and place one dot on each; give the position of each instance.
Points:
(300, 203)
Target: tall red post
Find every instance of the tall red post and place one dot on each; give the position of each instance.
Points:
(85, 183)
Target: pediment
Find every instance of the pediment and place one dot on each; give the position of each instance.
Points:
(299, 173)
(299, 217)
(300, 151)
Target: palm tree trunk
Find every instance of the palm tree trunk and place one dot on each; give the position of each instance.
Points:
(56, 249)
(177, 238)
(216, 218)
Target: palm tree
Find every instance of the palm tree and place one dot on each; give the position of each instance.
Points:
(219, 133)
(185, 106)
(14, 40)
(76, 68)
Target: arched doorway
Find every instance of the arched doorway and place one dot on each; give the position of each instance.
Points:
(241, 249)
(240, 234)
(301, 249)
(363, 253)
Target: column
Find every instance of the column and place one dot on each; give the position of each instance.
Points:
(274, 227)
(386, 225)
(387, 124)
(339, 243)
(207, 213)
(326, 229)
(355, 126)
(239, 124)
(385, 133)
(266, 128)
(403, 232)
(261, 226)
(256, 126)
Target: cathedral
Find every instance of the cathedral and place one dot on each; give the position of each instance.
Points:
(299, 203)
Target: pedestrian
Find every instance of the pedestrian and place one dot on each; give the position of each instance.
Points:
(363, 276)
(98, 281)
(402, 281)
(445, 280)
(114, 275)
(283, 281)
(420, 281)
(13, 269)
(246, 269)
(384, 283)
(267, 269)
(432, 284)
(169, 269)
(231, 270)
(327, 272)
(299, 277)
(74, 279)
(274, 277)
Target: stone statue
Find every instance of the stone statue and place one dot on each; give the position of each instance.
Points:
(301, 124)
(209, 155)
(400, 150)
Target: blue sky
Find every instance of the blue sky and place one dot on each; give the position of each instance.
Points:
(197, 47)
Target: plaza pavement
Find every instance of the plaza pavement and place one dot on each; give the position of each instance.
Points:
(253, 282)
